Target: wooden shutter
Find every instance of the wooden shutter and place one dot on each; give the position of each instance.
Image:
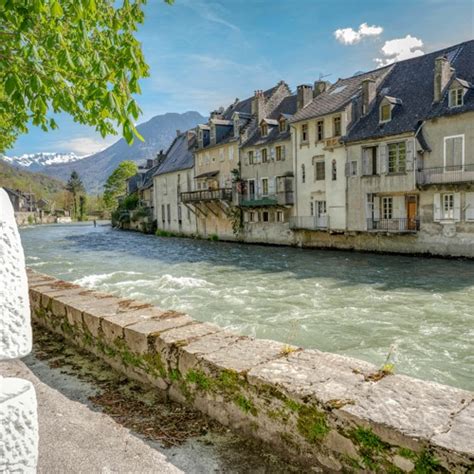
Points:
(271, 186)
(469, 215)
(410, 155)
(383, 152)
(283, 152)
(457, 207)
(437, 207)
(376, 207)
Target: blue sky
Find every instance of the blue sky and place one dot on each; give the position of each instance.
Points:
(204, 54)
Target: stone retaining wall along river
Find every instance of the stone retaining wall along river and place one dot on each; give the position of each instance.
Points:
(316, 408)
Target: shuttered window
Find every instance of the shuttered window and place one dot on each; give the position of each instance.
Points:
(453, 152)
(397, 157)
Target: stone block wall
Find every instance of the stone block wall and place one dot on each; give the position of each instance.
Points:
(326, 411)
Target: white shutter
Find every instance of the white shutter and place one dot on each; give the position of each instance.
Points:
(383, 151)
(410, 156)
(469, 216)
(457, 207)
(437, 207)
(257, 156)
(365, 162)
(368, 206)
(376, 207)
(272, 153)
(271, 186)
(283, 152)
(246, 216)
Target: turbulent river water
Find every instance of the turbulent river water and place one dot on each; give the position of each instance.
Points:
(356, 304)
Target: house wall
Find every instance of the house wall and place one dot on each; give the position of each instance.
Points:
(166, 190)
(311, 190)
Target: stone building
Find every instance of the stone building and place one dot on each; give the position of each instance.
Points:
(217, 159)
(266, 190)
(172, 179)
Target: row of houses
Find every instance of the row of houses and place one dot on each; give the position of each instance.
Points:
(378, 161)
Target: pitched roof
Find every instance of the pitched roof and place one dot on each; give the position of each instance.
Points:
(412, 82)
(179, 156)
(338, 95)
(287, 108)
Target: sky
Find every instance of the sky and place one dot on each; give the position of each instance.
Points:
(205, 53)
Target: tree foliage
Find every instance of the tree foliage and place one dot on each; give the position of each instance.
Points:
(116, 184)
(76, 188)
(75, 56)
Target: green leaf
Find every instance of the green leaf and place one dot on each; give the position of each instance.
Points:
(56, 9)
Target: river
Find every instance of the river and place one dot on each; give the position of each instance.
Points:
(351, 303)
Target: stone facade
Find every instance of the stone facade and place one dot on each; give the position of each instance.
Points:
(332, 412)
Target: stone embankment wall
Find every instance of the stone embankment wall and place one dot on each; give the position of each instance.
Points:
(28, 218)
(319, 409)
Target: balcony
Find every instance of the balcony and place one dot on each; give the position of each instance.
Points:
(331, 143)
(269, 200)
(221, 194)
(445, 174)
(309, 222)
(400, 225)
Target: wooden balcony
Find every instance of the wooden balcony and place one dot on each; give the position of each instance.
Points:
(445, 175)
(221, 194)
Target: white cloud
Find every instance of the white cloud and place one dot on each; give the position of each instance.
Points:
(85, 145)
(399, 49)
(351, 36)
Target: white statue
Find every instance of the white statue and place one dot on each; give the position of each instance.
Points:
(18, 415)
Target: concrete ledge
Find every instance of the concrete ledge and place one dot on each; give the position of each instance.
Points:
(315, 408)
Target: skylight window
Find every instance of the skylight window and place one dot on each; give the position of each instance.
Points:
(338, 89)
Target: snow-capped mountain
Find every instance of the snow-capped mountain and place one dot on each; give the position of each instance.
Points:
(38, 161)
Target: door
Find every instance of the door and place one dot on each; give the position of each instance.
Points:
(411, 212)
(251, 189)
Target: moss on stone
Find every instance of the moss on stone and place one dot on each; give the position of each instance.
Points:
(40, 313)
(200, 379)
(292, 405)
(245, 404)
(312, 423)
(174, 375)
(426, 463)
(153, 364)
(406, 453)
(229, 381)
(279, 414)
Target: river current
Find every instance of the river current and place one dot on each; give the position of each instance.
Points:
(358, 304)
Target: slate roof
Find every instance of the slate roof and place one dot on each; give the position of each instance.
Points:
(338, 95)
(179, 156)
(412, 82)
(287, 108)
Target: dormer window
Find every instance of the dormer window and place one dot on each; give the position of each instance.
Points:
(456, 97)
(283, 126)
(385, 113)
(264, 129)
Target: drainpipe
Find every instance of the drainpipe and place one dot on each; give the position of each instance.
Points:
(295, 167)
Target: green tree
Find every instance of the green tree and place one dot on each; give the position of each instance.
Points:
(76, 188)
(75, 56)
(116, 184)
(82, 207)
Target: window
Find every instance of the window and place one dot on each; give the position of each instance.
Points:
(251, 157)
(283, 126)
(304, 133)
(163, 217)
(311, 207)
(253, 216)
(265, 216)
(369, 161)
(264, 129)
(337, 126)
(454, 152)
(321, 208)
(303, 173)
(264, 186)
(353, 168)
(280, 216)
(319, 171)
(448, 206)
(165, 186)
(456, 97)
(397, 157)
(279, 153)
(385, 113)
(334, 170)
(264, 155)
(168, 210)
(320, 130)
(387, 207)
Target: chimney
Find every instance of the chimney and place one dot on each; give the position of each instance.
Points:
(319, 87)
(304, 95)
(149, 164)
(368, 94)
(178, 133)
(190, 135)
(236, 125)
(442, 74)
(258, 105)
(160, 157)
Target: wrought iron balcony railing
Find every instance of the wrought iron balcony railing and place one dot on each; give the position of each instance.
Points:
(309, 222)
(445, 174)
(266, 200)
(221, 194)
(393, 225)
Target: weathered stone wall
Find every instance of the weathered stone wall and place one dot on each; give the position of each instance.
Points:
(319, 409)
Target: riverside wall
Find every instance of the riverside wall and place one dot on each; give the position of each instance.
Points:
(327, 412)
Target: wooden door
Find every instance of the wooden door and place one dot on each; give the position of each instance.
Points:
(411, 213)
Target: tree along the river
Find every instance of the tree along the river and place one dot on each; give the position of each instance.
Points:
(76, 188)
(75, 56)
(116, 184)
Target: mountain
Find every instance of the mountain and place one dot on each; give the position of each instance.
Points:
(15, 178)
(158, 133)
(38, 161)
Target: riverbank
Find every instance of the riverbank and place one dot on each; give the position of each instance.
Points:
(313, 407)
